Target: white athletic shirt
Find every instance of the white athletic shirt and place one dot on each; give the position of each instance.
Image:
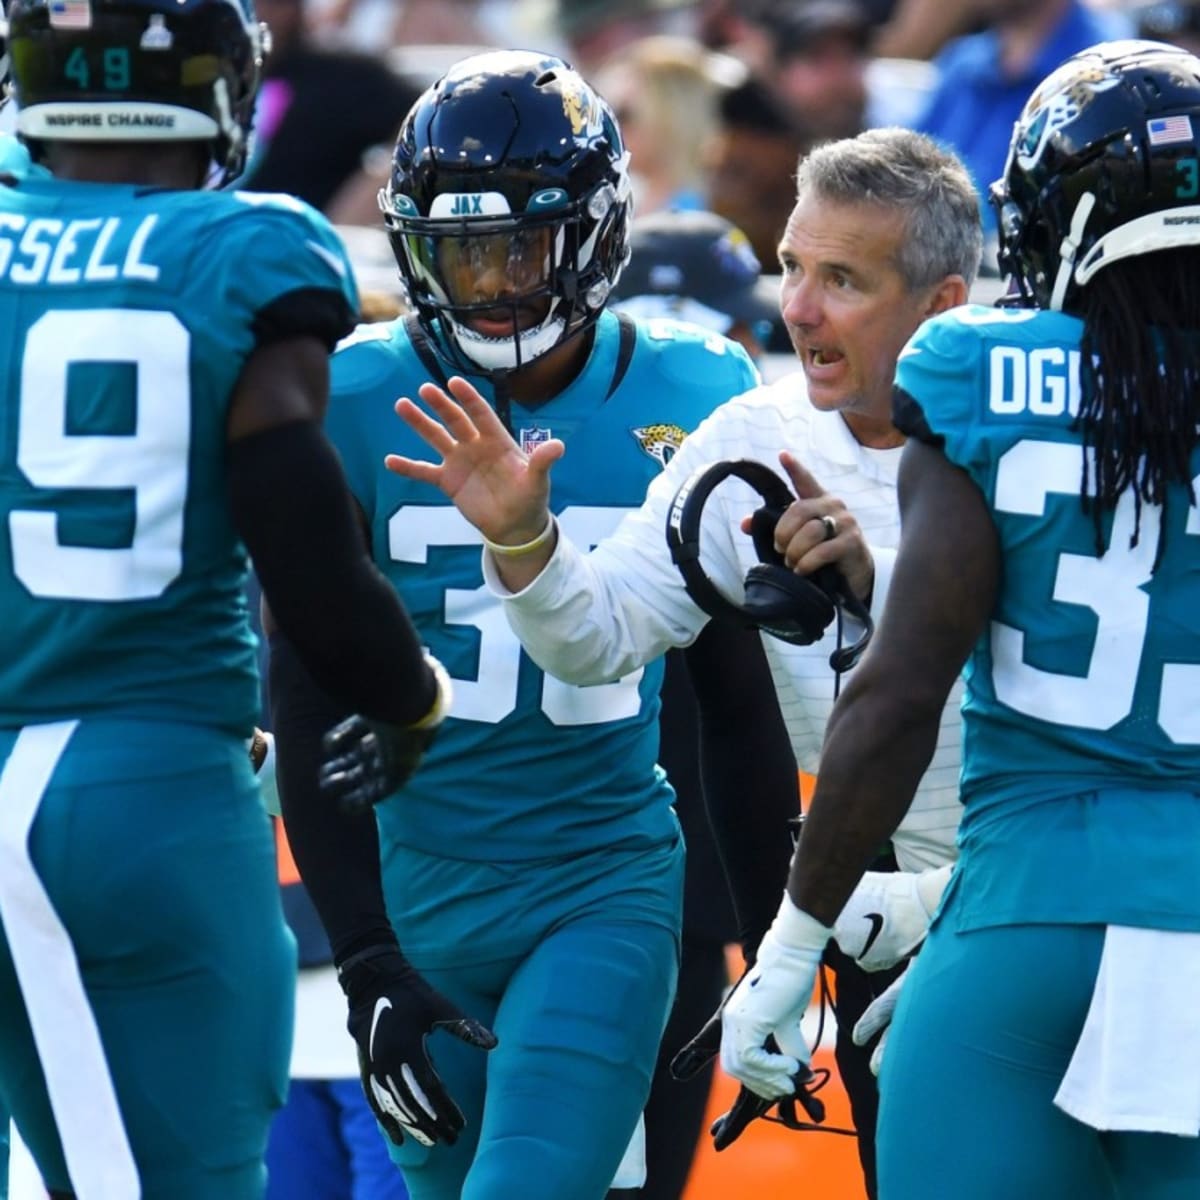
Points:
(590, 618)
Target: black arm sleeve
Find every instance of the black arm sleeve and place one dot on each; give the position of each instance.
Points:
(748, 771)
(337, 853)
(290, 503)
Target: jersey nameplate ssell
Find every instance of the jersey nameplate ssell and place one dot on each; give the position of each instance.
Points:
(88, 250)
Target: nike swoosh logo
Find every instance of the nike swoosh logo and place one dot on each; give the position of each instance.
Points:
(876, 920)
(327, 257)
(381, 1006)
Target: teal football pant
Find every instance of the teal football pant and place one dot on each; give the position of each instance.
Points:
(982, 1037)
(579, 1012)
(146, 975)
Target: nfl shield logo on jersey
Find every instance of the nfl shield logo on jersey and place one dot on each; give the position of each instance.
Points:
(533, 436)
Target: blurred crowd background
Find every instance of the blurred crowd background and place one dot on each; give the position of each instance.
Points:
(717, 98)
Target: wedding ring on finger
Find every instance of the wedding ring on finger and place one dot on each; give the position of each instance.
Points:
(830, 527)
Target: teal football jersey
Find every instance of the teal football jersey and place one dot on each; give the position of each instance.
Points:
(128, 316)
(526, 766)
(1089, 674)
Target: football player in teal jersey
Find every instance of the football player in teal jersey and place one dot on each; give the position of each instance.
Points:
(1046, 1043)
(533, 869)
(163, 376)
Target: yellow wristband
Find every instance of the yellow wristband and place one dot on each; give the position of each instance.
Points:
(530, 547)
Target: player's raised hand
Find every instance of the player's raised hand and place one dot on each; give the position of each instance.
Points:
(500, 489)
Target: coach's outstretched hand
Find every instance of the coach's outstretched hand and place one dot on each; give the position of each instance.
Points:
(392, 1013)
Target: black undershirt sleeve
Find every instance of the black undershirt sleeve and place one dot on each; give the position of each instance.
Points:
(909, 417)
(305, 312)
(336, 852)
(289, 501)
(748, 771)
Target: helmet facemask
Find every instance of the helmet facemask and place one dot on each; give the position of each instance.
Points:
(546, 277)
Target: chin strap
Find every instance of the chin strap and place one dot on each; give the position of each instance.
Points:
(419, 340)
(1070, 248)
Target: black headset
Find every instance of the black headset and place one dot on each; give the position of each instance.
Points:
(794, 608)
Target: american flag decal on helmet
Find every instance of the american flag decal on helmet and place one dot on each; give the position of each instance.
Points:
(71, 14)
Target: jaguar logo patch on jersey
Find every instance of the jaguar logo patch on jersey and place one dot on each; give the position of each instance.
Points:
(532, 436)
(660, 441)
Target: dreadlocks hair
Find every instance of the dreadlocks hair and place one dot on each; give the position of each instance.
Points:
(1140, 382)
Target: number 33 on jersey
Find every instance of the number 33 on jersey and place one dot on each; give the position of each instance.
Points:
(1057, 691)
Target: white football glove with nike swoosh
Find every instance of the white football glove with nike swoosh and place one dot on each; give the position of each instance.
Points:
(888, 915)
(769, 1002)
(392, 1012)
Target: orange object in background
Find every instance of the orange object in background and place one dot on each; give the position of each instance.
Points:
(285, 864)
(769, 1162)
(807, 783)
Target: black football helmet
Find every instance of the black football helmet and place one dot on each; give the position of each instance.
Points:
(510, 162)
(1104, 164)
(138, 70)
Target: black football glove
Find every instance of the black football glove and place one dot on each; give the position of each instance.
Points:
(392, 1011)
(365, 761)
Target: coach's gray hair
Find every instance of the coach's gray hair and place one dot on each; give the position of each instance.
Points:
(896, 168)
